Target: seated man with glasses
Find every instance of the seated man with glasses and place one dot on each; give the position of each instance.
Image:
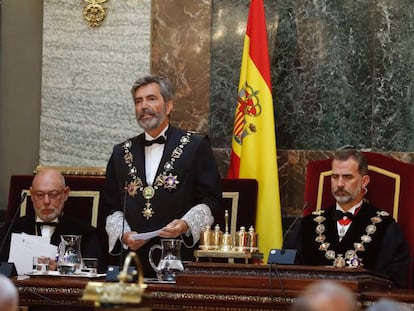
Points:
(49, 194)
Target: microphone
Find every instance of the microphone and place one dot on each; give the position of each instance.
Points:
(283, 255)
(292, 225)
(121, 257)
(113, 271)
(8, 268)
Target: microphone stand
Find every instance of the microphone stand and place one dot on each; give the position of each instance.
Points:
(280, 259)
(273, 266)
(292, 225)
(6, 268)
(121, 257)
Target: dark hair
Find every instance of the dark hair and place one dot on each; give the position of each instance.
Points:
(166, 87)
(347, 153)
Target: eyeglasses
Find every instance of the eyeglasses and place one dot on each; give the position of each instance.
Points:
(52, 195)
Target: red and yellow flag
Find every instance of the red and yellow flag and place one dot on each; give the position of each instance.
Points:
(253, 152)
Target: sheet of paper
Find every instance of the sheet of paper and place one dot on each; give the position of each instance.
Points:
(145, 236)
(24, 247)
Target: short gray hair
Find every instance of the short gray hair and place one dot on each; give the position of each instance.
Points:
(166, 87)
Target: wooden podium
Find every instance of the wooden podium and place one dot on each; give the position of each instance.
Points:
(212, 286)
(216, 286)
(289, 277)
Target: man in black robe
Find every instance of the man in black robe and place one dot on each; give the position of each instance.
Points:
(353, 233)
(163, 179)
(49, 193)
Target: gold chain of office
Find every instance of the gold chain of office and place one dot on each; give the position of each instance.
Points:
(351, 257)
(165, 179)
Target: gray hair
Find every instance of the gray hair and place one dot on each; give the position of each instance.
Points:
(166, 87)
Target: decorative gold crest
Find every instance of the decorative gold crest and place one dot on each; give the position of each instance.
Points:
(94, 13)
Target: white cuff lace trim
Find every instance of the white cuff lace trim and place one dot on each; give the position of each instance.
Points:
(197, 218)
(114, 229)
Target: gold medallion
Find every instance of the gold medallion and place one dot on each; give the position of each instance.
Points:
(148, 192)
(147, 212)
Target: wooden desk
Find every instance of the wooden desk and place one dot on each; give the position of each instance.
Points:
(42, 293)
(52, 293)
(405, 296)
(209, 286)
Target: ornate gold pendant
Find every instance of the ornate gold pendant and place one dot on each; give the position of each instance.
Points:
(148, 192)
(133, 187)
(147, 212)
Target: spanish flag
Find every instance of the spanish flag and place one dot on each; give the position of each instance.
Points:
(253, 153)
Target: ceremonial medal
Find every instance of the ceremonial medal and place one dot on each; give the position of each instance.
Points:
(339, 261)
(133, 187)
(168, 182)
(148, 192)
(147, 212)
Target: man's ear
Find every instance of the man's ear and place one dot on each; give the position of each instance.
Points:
(169, 106)
(66, 191)
(365, 180)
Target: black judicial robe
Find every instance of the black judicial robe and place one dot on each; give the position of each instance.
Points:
(199, 182)
(90, 244)
(387, 253)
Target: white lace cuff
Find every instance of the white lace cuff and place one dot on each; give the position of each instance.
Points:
(197, 218)
(114, 229)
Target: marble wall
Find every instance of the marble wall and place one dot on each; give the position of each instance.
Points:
(342, 74)
(342, 71)
(181, 32)
(87, 74)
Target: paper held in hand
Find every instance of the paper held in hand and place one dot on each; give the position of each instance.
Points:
(145, 236)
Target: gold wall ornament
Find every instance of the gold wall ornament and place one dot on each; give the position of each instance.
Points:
(94, 13)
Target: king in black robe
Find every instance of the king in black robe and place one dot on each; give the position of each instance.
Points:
(387, 253)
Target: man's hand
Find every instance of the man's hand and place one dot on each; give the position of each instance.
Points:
(52, 264)
(130, 242)
(174, 229)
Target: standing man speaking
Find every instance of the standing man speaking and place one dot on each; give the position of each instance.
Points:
(163, 179)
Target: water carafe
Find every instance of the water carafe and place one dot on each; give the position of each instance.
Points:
(170, 260)
(69, 252)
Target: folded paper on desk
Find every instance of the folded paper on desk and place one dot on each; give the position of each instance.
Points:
(145, 236)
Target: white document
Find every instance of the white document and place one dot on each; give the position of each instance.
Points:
(145, 236)
(24, 247)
